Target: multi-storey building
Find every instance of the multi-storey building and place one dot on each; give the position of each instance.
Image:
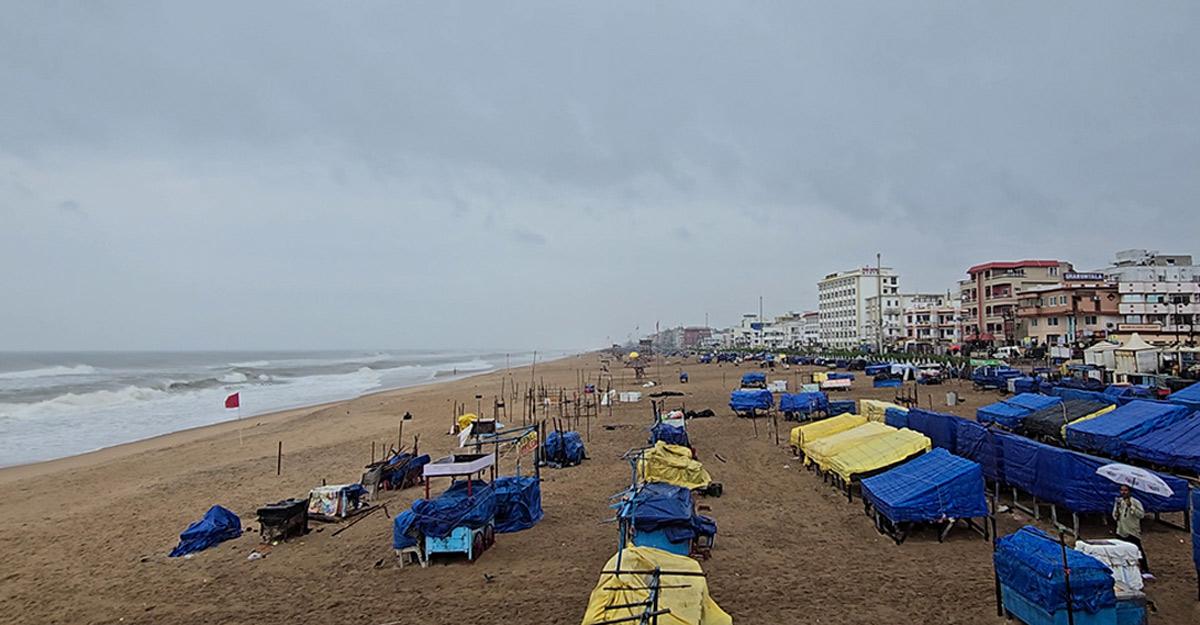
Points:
(692, 335)
(894, 305)
(1080, 309)
(990, 296)
(812, 328)
(1159, 295)
(842, 304)
(933, 326)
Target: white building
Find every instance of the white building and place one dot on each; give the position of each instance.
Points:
(933, 325)
(812, 328)
(842, 304)
(1160, 295)
(894, 305)
(791, 327)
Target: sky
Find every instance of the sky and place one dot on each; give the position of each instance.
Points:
(557, 174)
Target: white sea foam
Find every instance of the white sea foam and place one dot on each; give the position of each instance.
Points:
(48, 372)
(254, 364)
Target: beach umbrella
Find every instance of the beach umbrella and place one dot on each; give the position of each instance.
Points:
(633, 355)
(1136, 478)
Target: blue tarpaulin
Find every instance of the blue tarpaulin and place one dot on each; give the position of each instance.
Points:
(1025, 384)
(1074, 393)
(1030, 562)
(564, 448)
(1195, 495)
(454, 508)
(938, 426)
(803, 403)
(1124, 393)
(1108, 433)
(931, 487)
(834, 375)
(660, 506)
(745, 400)
(978, 443)
(1176, 446)
(886, 382)
(518, 503)
(896, 417)
(1068, 478)
(1189, 396)
(217, 525)
(841, 406)
(1009, 412)
(878, 369)
(669, 434)
(754, 379)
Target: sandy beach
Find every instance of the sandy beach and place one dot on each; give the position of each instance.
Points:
(85, 538)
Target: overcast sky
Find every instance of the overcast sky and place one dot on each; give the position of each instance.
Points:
(399, 174)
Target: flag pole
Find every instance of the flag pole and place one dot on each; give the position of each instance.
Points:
(239, 420)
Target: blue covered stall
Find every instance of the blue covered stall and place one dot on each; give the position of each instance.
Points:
(934, 487)
(978, 443)
(834, 375)
(1189, 396)
(803, 404)
(754, 379)
(877, 369)
(895, 417)
(1010, 412)
(1029, 567)
(440, 516)
(1069, 394)
(938, 426)
(1176, 446)
(518, 503)
(747, 401)
(670, 434)
(842, 406)
(216, 526)
(564, 448)
(663, 516)
(1024, 384)
(1108, 433)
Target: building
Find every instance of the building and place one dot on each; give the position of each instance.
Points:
(692, 335)
(1159, 296)
(933, 325)
(990, 296)
(842, 304)
(893, 309)
(812, 328)
(1082, 309)
(791, 328)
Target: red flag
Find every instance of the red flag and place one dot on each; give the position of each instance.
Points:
(233, 401)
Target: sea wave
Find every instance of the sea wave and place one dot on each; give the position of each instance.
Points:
(256, 364)
(48, 372)
(74, 402)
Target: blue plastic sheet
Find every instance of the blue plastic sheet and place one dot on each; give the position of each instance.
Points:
(931, 487)
(1010, 412)
(896, 417)
(1108, 433)
(1176, 446)
(1068, 393)
(841, 406)
(744, 400)
(1025, 384)
(454, 508)
(834, 375)
(1195, 495)
(803, 403)
(669, 434)
(660, 506)
(1030, 562)
(978, 443)
(886, 382)
(216, 526)
(1189, 396)
(754, 378)
(938, 426)
(564, 448)
(518, 503)
(878, 369)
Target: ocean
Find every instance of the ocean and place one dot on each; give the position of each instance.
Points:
(61, 404)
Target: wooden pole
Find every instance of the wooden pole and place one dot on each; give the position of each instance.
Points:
(279, 459)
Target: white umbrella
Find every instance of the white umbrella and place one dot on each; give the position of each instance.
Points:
(1136, 478)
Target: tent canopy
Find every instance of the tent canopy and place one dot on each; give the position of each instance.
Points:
(930, 487)
(686, 597)
(826, 427)
(877, 452)
(1108, 433)
(672, 464)
(1031, 562)
(1176, 446)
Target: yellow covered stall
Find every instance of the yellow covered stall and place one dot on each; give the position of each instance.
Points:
(685, 597)
(874, 409)
(809, 432)
(672, 464)
(877, 452)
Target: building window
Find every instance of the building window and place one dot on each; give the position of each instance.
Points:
(1053, 271)
(1090, 320)
(1052, 321)
(1033, 322)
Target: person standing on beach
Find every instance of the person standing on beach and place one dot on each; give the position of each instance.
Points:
(1128, 513)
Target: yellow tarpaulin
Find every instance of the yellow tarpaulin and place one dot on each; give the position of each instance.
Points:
(466, 419)
(686, 596)
(820, 376)
(809, 432)
(873, 409)
(877, 452)
(672, 464)
(820, 450)
(1104, 410)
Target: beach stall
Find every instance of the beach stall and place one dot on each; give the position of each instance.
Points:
(337, 501)
(216, 526)
(670, 434)
(670, 464)
(1009, 413)
(802, 434)
(803, 405)
(875, 409)
(817, 452)
(563, 448)
(518, 503)
(754, 379)
(1108, 433)
(460, 521)
(748, 402)
(644, 584)
(1175, 447)
(1189, 397)
(1049, 424)
(664, 516)
(1032, 570)
(937, 487)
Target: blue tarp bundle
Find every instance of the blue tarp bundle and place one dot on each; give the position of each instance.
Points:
(217, 525)
(878, 369)
(1176, 446)
(895, 417)
(564, 447)
(438, 517)
(1068, 478)
(931, 487)
(886, 382)
(749, 399)
(1030, 562)
(1126, 393)
(669, 434)
(841, 406)
(402, 465)
(1025, 384)
(834, 375)
(518, 503)
(938, 426)
(1189, 396)
(1074, 393)
(754, 378)
(1009, 412)
(1109, 432)
(803, 403)
(660, 506)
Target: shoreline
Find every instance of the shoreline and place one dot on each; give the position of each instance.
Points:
(17, 472)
